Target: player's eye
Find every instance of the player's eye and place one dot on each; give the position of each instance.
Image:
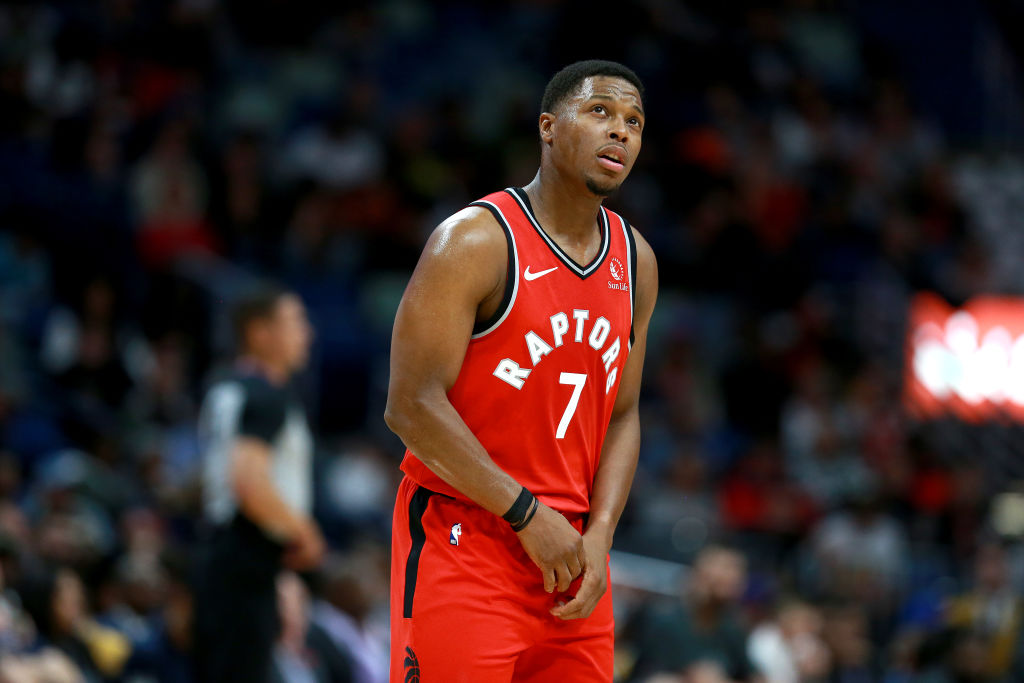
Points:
(598, 109)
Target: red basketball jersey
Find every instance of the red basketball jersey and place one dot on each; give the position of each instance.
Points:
(539, 379)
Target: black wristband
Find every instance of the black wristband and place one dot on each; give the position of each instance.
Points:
(529, 516)
(520, 509)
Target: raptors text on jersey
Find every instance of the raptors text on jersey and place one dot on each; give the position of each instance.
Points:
(539, 379)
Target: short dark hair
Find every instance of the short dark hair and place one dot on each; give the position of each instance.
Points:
(566, 82)
(256, 303)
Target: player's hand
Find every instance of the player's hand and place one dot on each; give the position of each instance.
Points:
(595, 580)
(306, 548)
(554, 546)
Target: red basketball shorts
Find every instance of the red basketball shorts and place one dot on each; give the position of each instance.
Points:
(468, 605)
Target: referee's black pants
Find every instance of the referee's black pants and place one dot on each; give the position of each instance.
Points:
(236, 623)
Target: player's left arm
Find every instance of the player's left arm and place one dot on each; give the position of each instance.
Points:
(621, 448)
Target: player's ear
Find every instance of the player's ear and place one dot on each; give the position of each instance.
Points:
(545, 124)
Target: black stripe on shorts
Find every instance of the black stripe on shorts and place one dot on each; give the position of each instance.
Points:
(417, 506)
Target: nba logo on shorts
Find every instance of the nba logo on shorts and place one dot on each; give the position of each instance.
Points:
(456, 532)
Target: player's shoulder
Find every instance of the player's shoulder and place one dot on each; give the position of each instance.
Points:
(646, 272)
(467, 251)
(644, 252)
(472, 232)
(266, 407)
(646, 262)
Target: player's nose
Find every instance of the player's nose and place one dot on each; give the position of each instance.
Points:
(617, 129)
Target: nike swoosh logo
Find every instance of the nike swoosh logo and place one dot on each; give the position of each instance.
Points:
(533, 276)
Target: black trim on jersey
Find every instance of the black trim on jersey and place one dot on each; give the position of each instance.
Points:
(510, 278)
(264, 408)
(417, 506)
(632, 277)
(583, 272)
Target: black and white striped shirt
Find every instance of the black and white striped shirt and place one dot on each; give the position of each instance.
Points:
(246, 404)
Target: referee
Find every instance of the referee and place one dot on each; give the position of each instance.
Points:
(257, 490)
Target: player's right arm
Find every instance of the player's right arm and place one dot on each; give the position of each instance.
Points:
(459, 279)
(258, 500)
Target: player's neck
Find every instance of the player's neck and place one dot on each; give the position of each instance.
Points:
(563, 209)
(276, 373)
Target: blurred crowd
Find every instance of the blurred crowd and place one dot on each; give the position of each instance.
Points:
(800, 180)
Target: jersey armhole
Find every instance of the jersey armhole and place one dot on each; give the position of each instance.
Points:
(511, 278)
(631, 245)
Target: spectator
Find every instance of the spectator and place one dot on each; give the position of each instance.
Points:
(56, 602)
(243, 210)
(790, 649)
(303, 654)
(861, 554)
(25, 277)
(46, 666)
(14, 375)
(852, 652)
(766, 509)
(71, 527)
(16, 629)
(155, 612)
(93, 368)
(344, 610)
(151, 604)
(820, 444)
(19, 662)
(340, 154)
(170, 193)
(703, 629)
(990, 613)
(676, 513)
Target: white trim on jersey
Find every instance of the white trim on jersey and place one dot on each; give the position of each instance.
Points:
(218, 427)
(496, 210)
(582, 272)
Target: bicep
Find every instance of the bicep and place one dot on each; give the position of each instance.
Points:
(459, 268)
(250, 459)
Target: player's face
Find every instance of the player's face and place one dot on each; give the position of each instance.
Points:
(292, 332)
(598, 132)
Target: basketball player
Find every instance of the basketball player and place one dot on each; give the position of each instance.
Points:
(515, 374)
(257, 490)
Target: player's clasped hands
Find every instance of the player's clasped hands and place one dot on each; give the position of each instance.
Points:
(594, 584)
(562, 554)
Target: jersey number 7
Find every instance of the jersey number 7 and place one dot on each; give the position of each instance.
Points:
(576, 379)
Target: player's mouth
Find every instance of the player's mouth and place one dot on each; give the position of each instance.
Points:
(613, 158)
